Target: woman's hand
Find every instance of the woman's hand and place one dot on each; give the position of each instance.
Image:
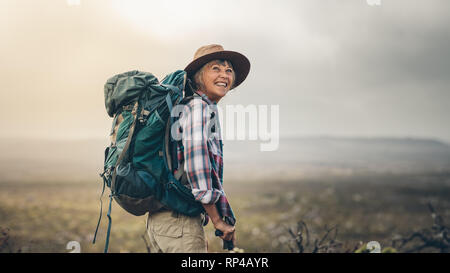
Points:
(219, 224)
(227, 230)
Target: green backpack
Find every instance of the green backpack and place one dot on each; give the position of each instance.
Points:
(137, 165)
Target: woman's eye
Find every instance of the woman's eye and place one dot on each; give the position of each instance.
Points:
(215, 68)
(229, 70)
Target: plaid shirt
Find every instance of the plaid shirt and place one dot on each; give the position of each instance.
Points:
(201, 151)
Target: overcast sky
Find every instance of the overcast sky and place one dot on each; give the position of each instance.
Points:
(334, 67)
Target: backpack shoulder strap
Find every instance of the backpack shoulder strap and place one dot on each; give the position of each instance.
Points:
(181, 175)
(167, 142)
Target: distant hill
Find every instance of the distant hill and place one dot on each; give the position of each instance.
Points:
(75, 160)
(339, 155)
(51, 160)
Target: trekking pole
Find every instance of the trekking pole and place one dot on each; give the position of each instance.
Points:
(226, 244)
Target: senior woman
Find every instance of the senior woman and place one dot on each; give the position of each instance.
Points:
(213, 72)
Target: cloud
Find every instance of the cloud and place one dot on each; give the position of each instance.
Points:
(334, 67)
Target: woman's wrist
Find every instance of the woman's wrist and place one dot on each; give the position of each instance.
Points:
(216, 221)
(213, 214)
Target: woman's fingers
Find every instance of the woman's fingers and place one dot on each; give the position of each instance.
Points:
(229, 233)
(227, 230)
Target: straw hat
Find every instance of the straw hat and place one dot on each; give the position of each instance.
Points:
(205, 54)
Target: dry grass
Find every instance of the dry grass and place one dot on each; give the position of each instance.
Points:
(44, 217)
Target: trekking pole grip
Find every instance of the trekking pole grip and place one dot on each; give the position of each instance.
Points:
(226, 244)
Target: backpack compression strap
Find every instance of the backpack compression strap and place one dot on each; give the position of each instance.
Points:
(127, 145)
(113, 179)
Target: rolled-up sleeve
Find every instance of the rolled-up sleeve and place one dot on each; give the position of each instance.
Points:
(194, 123)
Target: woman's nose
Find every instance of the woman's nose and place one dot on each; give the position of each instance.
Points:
(224, 74)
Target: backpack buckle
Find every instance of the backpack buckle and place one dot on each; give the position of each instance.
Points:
(143, 116)
(128, 107)
(105, 173)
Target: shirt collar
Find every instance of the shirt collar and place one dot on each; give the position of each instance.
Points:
(205, 98)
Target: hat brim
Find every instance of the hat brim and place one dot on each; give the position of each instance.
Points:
(241, 64)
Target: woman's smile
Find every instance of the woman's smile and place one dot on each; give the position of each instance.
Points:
(217, 78)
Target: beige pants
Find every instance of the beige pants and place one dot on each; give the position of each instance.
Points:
(171, 232)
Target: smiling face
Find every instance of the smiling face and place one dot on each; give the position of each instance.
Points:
(215, 79)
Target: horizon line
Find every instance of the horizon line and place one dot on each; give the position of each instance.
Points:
(286, 136)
